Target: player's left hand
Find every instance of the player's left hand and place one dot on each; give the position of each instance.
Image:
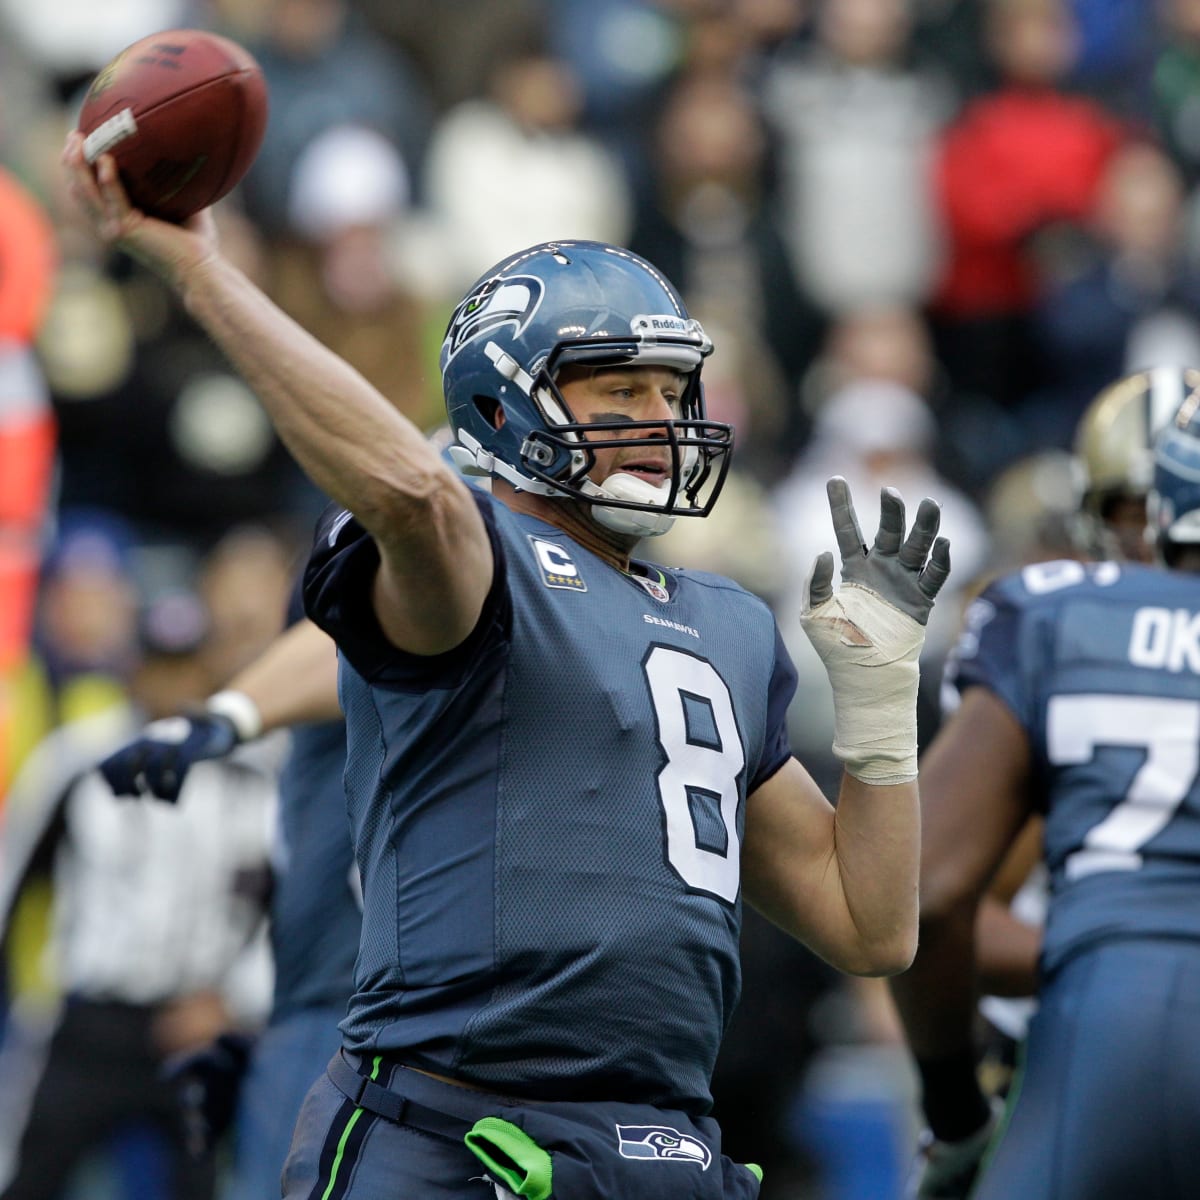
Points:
(870, 632)
(907, 573)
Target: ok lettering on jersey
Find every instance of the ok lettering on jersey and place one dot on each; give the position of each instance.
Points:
(1165, 639)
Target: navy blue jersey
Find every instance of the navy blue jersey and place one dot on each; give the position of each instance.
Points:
(316, 915)
(1101, 666)
(548, 818)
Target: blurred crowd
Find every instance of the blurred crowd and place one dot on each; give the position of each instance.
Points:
(922, 233)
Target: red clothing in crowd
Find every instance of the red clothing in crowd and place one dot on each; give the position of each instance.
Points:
(1016, 161)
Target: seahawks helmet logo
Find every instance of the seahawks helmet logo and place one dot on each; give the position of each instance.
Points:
(663, 1143)
(492, 305)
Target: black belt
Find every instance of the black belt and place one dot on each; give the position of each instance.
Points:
(394, 1105)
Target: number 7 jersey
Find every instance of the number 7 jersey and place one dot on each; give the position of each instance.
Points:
(548, 818)
(1100, 664)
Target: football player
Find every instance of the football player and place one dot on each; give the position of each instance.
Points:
(1114, 446)
(1080, 702)
(566, 768)
(1114, 460)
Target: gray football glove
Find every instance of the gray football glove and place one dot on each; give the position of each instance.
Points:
(905, 572)
(870, 632)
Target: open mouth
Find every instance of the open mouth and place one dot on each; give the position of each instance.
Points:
(653, 473)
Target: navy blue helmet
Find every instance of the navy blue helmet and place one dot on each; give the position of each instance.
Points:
(594, 304)
(1175, 497)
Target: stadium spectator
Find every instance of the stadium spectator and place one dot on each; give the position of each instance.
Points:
(622, 52)
(856, 122)
(708, 221)
(1175, 83)
(454, 68)
(244, 581)
(1022, 159)
(1129, 301)
(336, 269)
(85, 636)
(514, 166)
(325, 69)
(1117, 46)
(28, 436)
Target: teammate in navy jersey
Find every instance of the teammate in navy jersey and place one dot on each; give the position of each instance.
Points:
(565, 768)
(315, 913)
(315, 904)
(1080, 700)
(1114, 455)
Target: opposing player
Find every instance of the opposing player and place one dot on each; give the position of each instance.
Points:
(565, 768)
(1080, 701)
(1114, 446)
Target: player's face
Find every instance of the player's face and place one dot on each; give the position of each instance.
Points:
(1126, 521)
(617, 394)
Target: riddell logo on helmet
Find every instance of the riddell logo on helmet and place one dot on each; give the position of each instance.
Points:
(492, 305)
(664, 324)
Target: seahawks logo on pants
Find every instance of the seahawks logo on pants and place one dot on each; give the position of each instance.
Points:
(663, 1143)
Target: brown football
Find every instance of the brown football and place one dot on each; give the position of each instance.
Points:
(183, 113)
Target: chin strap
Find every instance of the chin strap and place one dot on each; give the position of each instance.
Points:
(472, 459)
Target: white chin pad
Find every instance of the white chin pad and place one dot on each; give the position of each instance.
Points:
(631, 520)
(622, 486)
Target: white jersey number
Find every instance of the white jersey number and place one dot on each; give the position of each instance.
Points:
(1169, 732)
(701, 768)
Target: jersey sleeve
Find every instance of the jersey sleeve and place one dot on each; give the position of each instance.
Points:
(337, 588)
(780, 691)
(992, 649)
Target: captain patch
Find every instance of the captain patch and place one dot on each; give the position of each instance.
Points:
(558, 568)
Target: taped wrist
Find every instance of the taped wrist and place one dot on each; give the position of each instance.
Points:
(870, 651)
(238, 708)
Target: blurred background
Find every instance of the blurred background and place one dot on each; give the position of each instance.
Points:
(922, 233)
